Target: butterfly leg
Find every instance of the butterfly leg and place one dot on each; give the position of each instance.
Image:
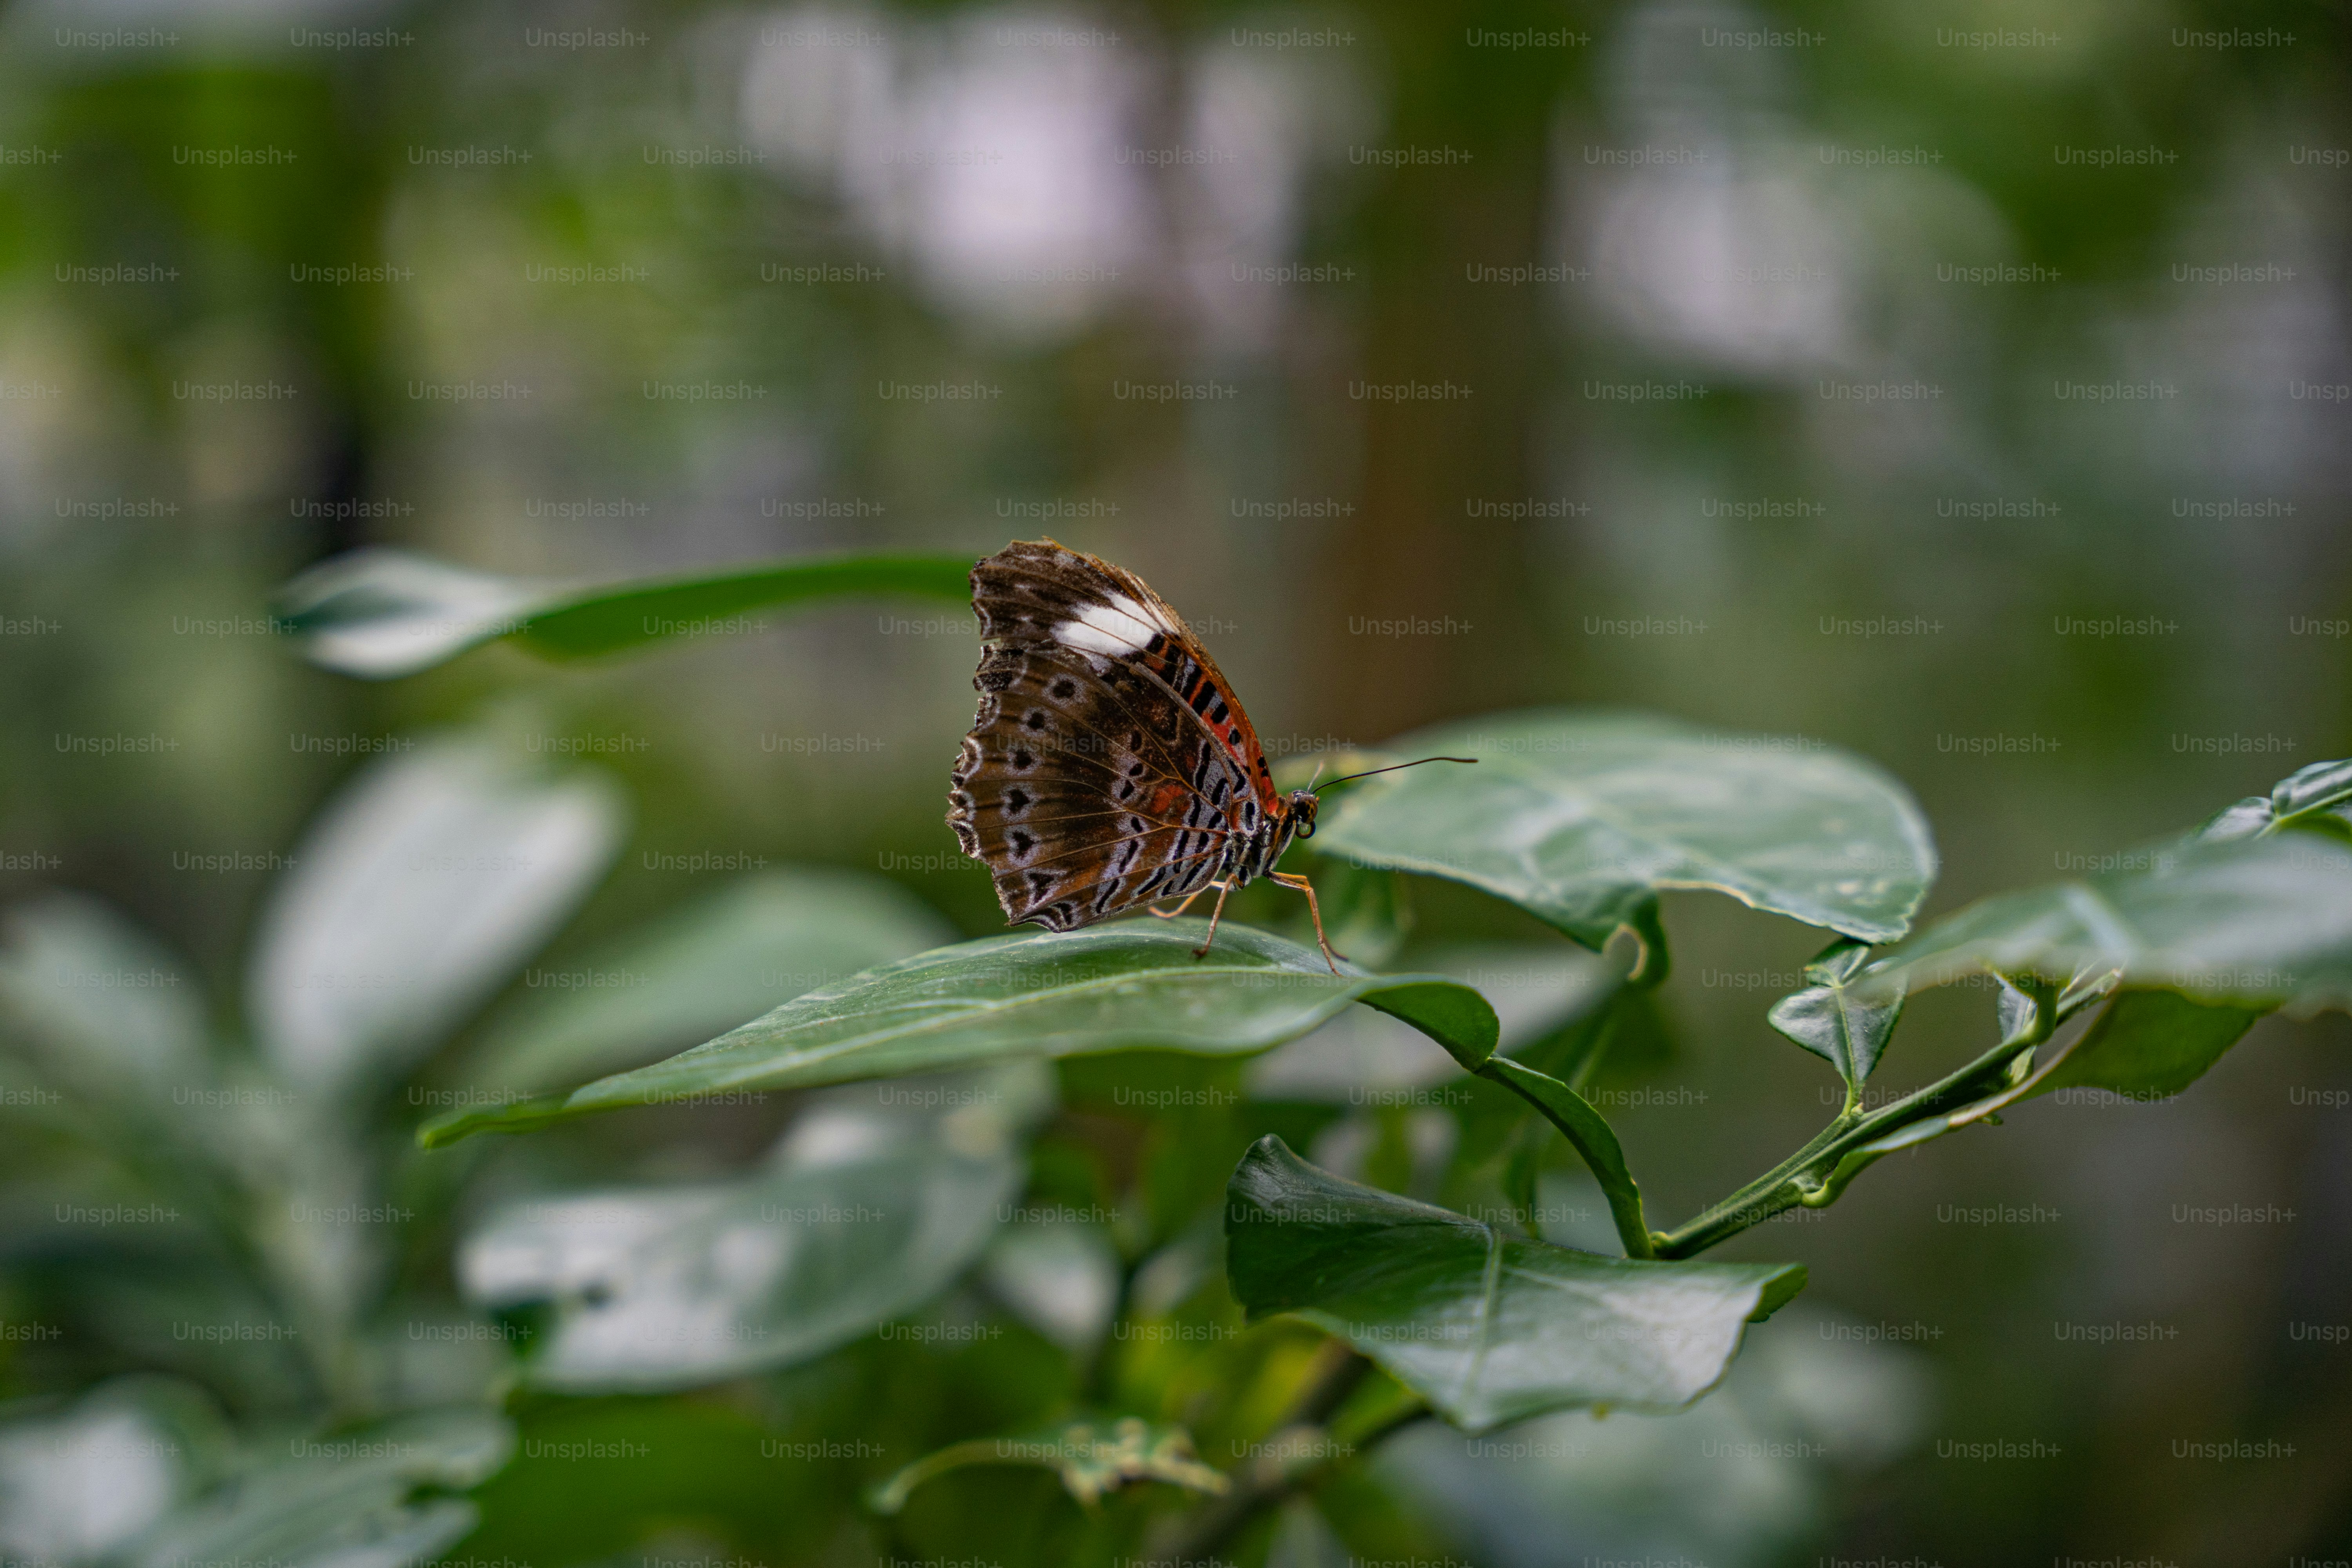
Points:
(1222, 888)
(1179, 909)
(1291, 880)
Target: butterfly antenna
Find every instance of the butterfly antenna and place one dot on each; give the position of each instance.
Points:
(1369, 772)
(1313, 776)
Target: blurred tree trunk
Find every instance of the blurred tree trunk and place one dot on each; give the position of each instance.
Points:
(1413, 552)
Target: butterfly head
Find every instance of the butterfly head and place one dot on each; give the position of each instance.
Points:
(1302, 805)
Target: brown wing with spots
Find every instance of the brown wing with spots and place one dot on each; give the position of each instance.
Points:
(1039, 592)
(1086, 788)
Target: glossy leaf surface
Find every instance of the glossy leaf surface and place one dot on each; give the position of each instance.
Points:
(2259, 923)
(2316, 799)
(1487, 1327)
(1829, 1019)
(870, 1208)
(1582, 817)
(379, 614)
(419, 890)
(2147, 1044)
(374, 1497)
(1133, 985)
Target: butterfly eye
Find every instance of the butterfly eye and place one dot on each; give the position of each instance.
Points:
(1303, 805)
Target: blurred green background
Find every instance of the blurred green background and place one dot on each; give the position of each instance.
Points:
(1962, 384)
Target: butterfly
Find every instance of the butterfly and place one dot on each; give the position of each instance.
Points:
(1109, 764)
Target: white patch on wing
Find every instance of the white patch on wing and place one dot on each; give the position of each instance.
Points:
(1149, 616)
(1116, 625)
(1090, 639)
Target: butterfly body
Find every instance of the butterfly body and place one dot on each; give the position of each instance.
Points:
(1109, 764)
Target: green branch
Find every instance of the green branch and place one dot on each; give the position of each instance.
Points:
(1313, 1446)
(1589, 1133)
(1815, 1174)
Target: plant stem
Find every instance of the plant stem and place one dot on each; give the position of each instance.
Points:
(1589, 1133)
(1101, 1375)
(1270, 1481)
(1336, 1373)
(1804, 1177)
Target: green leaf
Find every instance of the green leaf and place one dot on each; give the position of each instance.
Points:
(379, 613)
(1829, 1020)
(1092, 1454)
(697, 970)
(1487, 1327)
(873, 1207)
(2150, 1045)
(1581, 818)
(2316, 799)
(1537, 989)
(1445, 1009)
(1592, 1136)
(79, 1481)
(362, 1498)
(97, 1002)
(2025, 1011)
(1523, 1167)
(2260, 923)
(1062, 1278)
(1132, 986)
(418, 892)
(2144, 1045)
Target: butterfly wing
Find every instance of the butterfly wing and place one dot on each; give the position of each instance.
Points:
(1043, 591)
(1108, 762)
